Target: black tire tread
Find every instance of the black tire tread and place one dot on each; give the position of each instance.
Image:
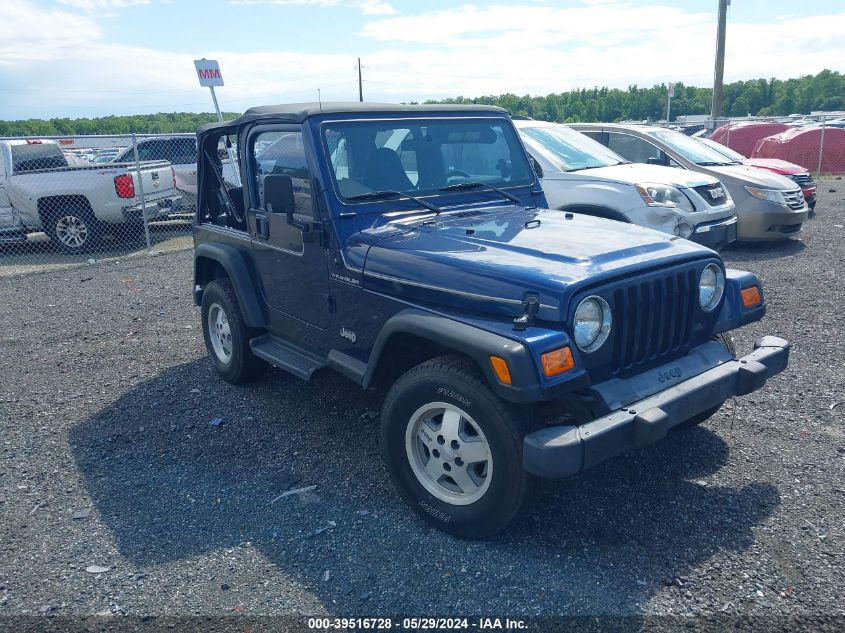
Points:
(253, 367)
(456, 369)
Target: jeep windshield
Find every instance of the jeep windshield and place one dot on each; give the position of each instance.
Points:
(690, 148)
(420, 157)
(569, 150)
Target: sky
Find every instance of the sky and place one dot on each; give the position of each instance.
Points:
(75, 58)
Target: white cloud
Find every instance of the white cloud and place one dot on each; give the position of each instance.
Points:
(368, 7)
(92, 5)
(63, 62)
(30, 34)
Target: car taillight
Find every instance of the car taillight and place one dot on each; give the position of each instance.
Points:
(124, 186)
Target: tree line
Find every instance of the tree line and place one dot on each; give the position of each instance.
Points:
(755, 97)
(760, 97)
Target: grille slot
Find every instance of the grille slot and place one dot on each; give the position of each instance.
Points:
(803, 179)
(794, 199)
(652, 319)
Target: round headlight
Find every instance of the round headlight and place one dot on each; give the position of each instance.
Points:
(711, 287)
(592, 323)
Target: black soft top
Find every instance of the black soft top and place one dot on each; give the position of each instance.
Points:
(298, 112)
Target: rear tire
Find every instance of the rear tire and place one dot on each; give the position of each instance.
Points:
(73, 230)
(454, 449)
(227, 336)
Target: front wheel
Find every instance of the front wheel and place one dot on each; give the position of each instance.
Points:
(454, 449)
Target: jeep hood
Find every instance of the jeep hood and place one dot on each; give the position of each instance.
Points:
(636, 173)
(489, 260)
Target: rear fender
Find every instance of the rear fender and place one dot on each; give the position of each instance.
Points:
(210, 258)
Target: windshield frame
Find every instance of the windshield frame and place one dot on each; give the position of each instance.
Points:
(421, 119)
(562, 131)
(715, 157)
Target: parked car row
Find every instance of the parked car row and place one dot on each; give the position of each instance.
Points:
(654, 177)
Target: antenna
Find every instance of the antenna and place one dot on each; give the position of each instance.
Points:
(319, 99)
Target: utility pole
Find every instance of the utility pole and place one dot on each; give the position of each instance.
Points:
(716, 106)
(360, 84)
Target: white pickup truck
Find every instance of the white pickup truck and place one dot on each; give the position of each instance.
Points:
(74, 206)
(181, 151)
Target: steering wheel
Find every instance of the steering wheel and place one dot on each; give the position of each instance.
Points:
(457, 172)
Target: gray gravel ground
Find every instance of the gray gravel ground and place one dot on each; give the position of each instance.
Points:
(106, 402)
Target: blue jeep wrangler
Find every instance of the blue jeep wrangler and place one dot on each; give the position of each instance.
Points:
(410, 246)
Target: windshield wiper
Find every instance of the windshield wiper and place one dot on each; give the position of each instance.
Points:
(475, 184)
(390, 193)
(714, 164)
(583, 167)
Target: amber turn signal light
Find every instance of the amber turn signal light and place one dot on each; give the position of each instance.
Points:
(751, 297)
(500, 366)
(557, 361)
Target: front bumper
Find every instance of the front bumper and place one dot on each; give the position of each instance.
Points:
(760, 220)
(560, 451)
(716, 234)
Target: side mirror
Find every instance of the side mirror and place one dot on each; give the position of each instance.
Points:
(278, 195)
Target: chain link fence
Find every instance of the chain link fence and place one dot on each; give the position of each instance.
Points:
(815, 143)
(69, 201)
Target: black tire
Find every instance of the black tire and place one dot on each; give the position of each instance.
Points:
(455, 381)
(242, 366)
(73, 229)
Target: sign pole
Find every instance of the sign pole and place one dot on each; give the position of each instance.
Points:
(208, 72)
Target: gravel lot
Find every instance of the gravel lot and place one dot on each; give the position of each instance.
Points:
(105, 411)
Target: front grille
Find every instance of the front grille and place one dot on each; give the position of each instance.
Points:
(804, 180)
(714, 195)
(653, 319)
(790, 228)
(794, 199)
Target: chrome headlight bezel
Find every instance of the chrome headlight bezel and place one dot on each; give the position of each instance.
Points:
(711, 293)
(603, 324)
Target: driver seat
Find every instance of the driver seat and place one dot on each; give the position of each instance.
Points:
(384, 171)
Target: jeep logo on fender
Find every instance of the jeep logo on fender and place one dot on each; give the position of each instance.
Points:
(668, 374)
(348, 335)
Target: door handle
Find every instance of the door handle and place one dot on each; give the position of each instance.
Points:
(262, 226)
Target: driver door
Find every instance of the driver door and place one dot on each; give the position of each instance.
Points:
(292, 267)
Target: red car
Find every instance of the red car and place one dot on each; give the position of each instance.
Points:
(799, 174)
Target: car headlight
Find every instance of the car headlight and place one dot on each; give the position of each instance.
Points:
(711, 287)
(592, 323)
(657, 195)
(770, 195)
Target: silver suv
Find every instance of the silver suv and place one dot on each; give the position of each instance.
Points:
(768, 206)
(580, 175)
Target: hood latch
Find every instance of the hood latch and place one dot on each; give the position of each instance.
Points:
(530, 306)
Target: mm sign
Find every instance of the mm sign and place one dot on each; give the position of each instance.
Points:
(208, 72)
